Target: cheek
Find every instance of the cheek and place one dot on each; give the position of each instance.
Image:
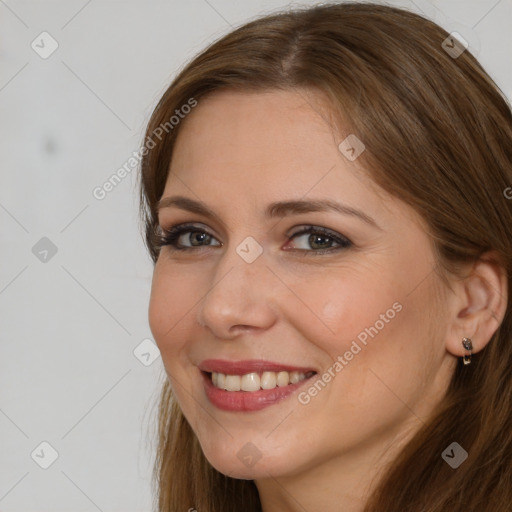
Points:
(171, 301)
(380, 330)
(335, 312)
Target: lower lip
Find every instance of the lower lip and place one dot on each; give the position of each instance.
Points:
(245, 401)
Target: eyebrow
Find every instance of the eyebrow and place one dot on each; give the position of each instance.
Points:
(273, 210)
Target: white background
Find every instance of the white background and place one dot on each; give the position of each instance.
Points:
(69, 326)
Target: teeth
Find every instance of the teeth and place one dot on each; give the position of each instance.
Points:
(232, 383)
(269, 380)
(250, 382)
(255, 381)
(283, 378)
(294, 377)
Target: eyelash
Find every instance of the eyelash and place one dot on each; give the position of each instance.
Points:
(169, 237)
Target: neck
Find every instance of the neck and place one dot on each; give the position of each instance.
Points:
(342, 482)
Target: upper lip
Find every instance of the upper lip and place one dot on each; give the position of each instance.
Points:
(243, 367)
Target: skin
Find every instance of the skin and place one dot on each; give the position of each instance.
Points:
(237, 152)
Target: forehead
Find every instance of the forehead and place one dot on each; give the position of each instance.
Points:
(253, 128)
(267, 146)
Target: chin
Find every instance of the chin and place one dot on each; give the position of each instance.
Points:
(243, 460)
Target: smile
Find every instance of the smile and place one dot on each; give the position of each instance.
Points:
(251, 382)
(243, 386)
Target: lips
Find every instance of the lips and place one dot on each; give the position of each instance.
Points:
(243, 401)
(248, 366)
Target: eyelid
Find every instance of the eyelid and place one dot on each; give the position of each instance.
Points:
(313, 227)
(188, 226)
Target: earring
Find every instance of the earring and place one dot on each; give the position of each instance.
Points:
(468, 345)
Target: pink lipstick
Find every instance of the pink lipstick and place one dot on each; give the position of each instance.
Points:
(281, 379)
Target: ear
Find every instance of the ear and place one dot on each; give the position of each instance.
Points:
(480, 302)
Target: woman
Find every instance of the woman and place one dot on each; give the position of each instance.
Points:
(324, 197)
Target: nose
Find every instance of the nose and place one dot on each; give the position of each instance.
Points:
(242, 296)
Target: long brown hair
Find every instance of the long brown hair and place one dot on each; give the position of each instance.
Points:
(438, 136)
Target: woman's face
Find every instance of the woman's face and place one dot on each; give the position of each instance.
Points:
(252, 296)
